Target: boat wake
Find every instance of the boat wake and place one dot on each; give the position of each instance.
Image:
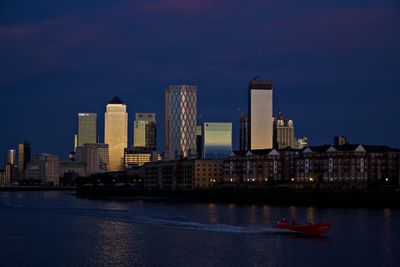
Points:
(179, 223)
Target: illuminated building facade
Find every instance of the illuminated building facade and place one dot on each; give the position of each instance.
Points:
(94, 156)
(87, 128)
(302, 142)
(116, 133)
(260, 113)
(12, 156)
(145, 130)
(217, 140)
(284, 133)
(244, 133)
(24, 157)
(180, 121)
(136, 157)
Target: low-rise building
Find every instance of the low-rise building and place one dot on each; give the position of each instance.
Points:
(182, 174)
(138, 156)
(70, 170)
(44, 167)
(350, 165)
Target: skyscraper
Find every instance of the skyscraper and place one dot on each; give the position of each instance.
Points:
(260, 112)
(217, 140)
(24, 157)
(12, 156)
(199, 142)
(87, 128)
(145, 131)
(116, 133)
(244, 133)
(180, 121)
(44, 167)
(284, 133)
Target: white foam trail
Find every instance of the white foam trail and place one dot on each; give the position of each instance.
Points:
(196, 226)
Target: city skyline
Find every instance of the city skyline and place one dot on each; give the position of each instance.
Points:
(320, 56)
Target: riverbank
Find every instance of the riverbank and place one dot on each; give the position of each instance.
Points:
(37, 188)
(274, 196)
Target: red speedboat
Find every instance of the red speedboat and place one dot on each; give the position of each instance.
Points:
(308, 228)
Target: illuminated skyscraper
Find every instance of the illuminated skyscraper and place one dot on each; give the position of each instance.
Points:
(284, 133)
(24, 157)
(260, 112)
(180, 121)
(244, 133)
(12, 156)
(87, 128)
(116, 133)
(145, 131)
(217, 140)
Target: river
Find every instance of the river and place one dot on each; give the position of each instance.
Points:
(60, 229)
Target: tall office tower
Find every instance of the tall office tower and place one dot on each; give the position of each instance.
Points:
(24, 157)
(260, 113)
(87, 128)
(217, 140)
(199, 142)
(340, 140)
(44, 167)
(284, 133)
(116, 133)
(12, 156)
(180, 121)
(145, 130)
(244, 133)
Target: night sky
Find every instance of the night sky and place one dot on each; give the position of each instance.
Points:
(335, 66)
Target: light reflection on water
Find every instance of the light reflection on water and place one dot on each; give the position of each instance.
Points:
(126, 233)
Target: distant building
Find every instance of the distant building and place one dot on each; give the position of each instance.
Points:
(217, 140)
(94, 156)
(284, 133)
(302, 142)
(87, 128)
(24, 157)
(11, 172)
(349, 165)
(136, 157)
(3, 178)
(260, 113)
(44, 167)
(199, 142)
(12, 156)
(70, 170)
(340, 140)
(75, 142)
(145, 131)
(244, 133)
(116, 133)
(180, 121)
(182, 174)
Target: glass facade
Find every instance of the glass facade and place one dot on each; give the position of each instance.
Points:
(217, 140)
(180, 121)
(87, 128)
(260, 111)
(145, 130)
(116, 133)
